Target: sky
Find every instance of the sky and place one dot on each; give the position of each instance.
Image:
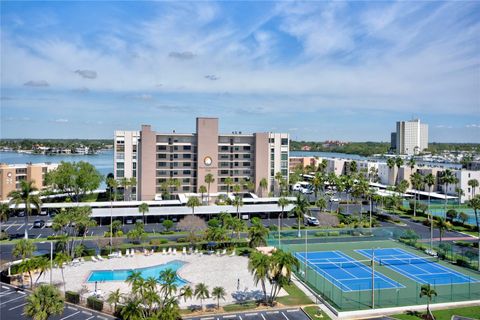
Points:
(317, 70)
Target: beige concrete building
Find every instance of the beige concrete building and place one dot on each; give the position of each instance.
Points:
(12, 174)
(190, 157)
(125, 156)
(411, 137)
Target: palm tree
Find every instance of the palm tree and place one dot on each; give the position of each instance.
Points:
(280, 271)
(317, 182)
(61, 259)
(411, 163)
(257, 233)
(300, 208)
(279, 178)
(228, 182)
(132, 310)
(201, 292)
(473, 183)
(263, 185)
(44, 302)
(218, 293)
(112, 185)
(282, 202)
(238, 225)
(427, 291)
(347, 182)
(186, 292)
(202, 191)
(259, 265)
(143, 208)
(4, 213)
(209, 179)
(135, 280)
(42, 264)
(442, 225)
(173, 184)
(26, 197)
(475, 204)
(321, 204)
(430, 182)
(131, 183)
(237, 202)
(124, 183)
(24, 249)
(391, 165)
(459, 193)
(446, 179)
(114, 299)
(193, 202)
(417, 184)
(167, 280)
(399, 164)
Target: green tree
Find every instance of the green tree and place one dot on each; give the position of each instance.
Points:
(132, 309)
(143, 208)
(321, 204)
(463, 217)
(218, 293)
(4, 213)
(202, 191)
(228, 182)
(167, 224)
(209, 179)
(42, 264)
(61, 259)
(411, 163)
(391, 165)
(167, 279)
(282, 203)
(418, 183)
(24, 249)
(318, 183)
(475, 204)
(399, 164)
(137, 234)
(174, 184)
(279, 177)
(26, 196)
(446, 179)
(201, 292)
(186, 292)
(114, 298)
(430, 182)
(473, 183)
(300, 208)
(259, 267)
(263, 185)
(427, 291)
(237, 202)
(193, 202)
(442, 226)
(124, 183)
(257, 233)
(451, 215)
(131, 184)
(44, 302)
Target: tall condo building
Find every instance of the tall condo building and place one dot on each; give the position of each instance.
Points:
(188, 158)
(411, 137)
(125, 156)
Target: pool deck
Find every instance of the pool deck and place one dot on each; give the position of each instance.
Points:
(214, 271)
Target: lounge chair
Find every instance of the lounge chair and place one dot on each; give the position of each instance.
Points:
(232, 254)
(94, 259)
(224, 252)
(119, 254)
(169, 250)
(184, 251)
(164, 251)
(152, 252)
(174, 251)
(196, 251)
(100, 258)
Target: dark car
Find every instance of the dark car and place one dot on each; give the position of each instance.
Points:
(15, 236)
(38, 223)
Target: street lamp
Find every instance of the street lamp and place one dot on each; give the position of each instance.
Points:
(51, 258)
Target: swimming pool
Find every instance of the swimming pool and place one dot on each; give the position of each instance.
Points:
(122, 274)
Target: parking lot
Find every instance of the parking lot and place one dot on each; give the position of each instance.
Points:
(12, 303)
(283, 314)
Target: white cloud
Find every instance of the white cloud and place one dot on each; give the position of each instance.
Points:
(61, 120)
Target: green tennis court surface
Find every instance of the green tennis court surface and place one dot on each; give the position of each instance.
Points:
(452, 283)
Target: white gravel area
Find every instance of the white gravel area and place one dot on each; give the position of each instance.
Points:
(214, 271)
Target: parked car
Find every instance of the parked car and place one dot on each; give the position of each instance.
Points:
(49, 224)
(129, 221)
(38, 223)
(312, 221)
(332, 199)
(306, 191)
(139, 221)
(21, 214)
(42, 213)
(15, 236)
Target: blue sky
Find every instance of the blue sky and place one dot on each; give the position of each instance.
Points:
(318, 70)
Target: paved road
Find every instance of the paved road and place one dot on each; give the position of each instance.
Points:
(12, 303)
(283, 314)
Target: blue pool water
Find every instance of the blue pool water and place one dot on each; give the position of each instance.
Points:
(122, 274)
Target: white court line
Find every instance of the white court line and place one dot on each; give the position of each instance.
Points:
(230, 316)
(285, 316)
(70, 315)
(87, 313)
(9, 226)
(293, 310)
(263, 317)
(272, 312)
(251, 314)
(17, 306)
(31, 227)
(72, 308)
(39, 236)
(19, 227)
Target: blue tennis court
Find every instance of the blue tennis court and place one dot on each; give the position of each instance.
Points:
(419, 269)
(345, 272)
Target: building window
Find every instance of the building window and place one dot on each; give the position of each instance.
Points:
(187, 147)
(120, 173)
(120, 165)
(224, 148)
(161, 148)
(186, 172)
(246, 164)
(161, 156)
(284, 142)
(246, 156)
(271, 140)
(161, 164)
(246, 148)
(187, 156)
(285, 156)
(187, 164)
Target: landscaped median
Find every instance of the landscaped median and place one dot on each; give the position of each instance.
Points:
(467, 312)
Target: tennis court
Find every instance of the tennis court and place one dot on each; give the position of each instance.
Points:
(345, 272)
(419, 269)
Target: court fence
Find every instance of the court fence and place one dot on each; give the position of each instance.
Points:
(362, 297)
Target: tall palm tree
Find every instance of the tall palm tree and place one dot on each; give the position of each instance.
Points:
(202, 191)
(411, 163)
(300, 208)
(238, 225)
(61, 259)
(143, 208)
(124, 183)
(475, 204)
(282, 202)
(280, 271)
(44, 302)
(460, 193)
(167, 280)
(26, 197)
(4, 213)
(279, 178)
(201, 292)
(131, 183)
(263, 185)
(430, 182)
(173, 184)
(209, 179)
(318, 183)
(257, 233)
(473, 183)
(132, 309)
(134, 279)
(114, 299)
(237, 202)
(348, 182)
(399, 164)
(218, 293)
(417, 183)
(442, 225)
(24, 249)
(447, 178)
(193, 202)
(259, 265)
(427, 291)
(112, 186)
(391, 165)
(42, 264)
(321, 204)
(228, 182)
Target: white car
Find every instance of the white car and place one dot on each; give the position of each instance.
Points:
(49, 224)
(334, 199)
(306, 191)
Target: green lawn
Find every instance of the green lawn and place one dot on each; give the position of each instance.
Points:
(315, 312)
(469, 312)
(240, 307)
(295, 296)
